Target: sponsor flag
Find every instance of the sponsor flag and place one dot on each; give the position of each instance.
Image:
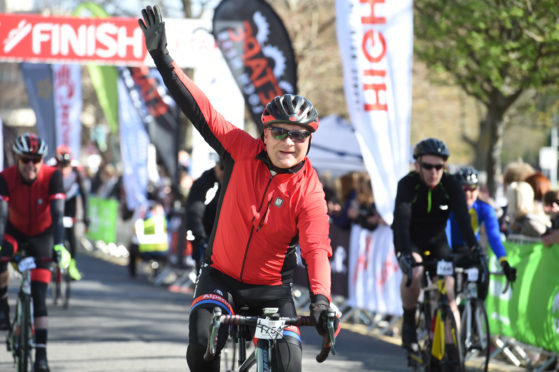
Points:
(376, 42)
(374, 274)
(159, 115)
(68, 103)
(104, 77)
(38, 80)
(134, 142)
(257, 49)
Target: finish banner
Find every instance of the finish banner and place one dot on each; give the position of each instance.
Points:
(529, 312)
(31, 37)
(376, 44)
(257, 49)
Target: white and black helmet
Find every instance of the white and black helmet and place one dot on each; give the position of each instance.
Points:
(30, 144)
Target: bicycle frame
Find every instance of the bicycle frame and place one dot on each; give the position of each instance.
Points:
(20, 336)
(440, 324)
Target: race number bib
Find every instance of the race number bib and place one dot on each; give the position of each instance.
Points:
(267, 329)
(445, 268)
(27, 263)
(473, 274)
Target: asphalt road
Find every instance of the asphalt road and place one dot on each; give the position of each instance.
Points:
(115, 323)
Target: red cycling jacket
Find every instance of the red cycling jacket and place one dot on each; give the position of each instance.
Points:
(29, 204)
(260, 215)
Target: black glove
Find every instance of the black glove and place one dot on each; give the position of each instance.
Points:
(406, 261)
(510, 272)
(154, 30)
(319, 314)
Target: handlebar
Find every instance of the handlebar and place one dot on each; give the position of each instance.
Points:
(431, 261)
(508, 284)
(328, 340)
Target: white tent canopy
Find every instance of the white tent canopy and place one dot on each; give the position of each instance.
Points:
(334, 148)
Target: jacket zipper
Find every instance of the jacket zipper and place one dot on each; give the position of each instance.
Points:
(252, 229)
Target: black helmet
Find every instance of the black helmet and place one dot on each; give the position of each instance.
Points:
(30, 144)
(468, 176)
(431, 146)
(291, 109)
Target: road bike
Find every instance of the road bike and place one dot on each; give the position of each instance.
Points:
(61, 291)
(20, 340)
(475, 333)
(268, 328)
(439, 345)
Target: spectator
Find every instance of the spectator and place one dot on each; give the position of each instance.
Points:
(540, 184)
(363, 210)
(551, 207)
(520, 211)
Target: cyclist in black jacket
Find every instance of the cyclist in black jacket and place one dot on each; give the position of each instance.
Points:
(424, 200)
(200, 210)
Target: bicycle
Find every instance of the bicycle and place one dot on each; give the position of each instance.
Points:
(475, 332)
(20, 339)
(62, 279)
(436, 328)
(61, 290)
(268, 329)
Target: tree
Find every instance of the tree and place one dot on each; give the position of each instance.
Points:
(495, 50)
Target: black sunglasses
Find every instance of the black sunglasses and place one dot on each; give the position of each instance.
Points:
(469, 187)
(29, 160)
(298, 136)
(428, 166)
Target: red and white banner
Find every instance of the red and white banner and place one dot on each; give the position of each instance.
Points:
(375, 38)
(67, 89)
(374, 274)
(30, 37)
(105, 41)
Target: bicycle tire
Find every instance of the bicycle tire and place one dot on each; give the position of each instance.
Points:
(475, 332)
(66, 297)
(419, 361)
(452, 360)
(56, 290)
(25, 338)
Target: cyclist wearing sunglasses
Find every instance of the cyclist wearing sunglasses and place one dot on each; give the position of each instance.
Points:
(481, 213)
(424, 199)
(271, 200)
(31, 210)
(74, 187)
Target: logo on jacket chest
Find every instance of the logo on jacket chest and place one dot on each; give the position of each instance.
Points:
(278, 202)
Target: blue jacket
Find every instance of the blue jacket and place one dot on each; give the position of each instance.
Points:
(480, 213)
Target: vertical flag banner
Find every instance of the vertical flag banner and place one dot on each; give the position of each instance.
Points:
(68, 102)
(257, 49)
(134, 143)
(374, 274)
(376, 44)
(159, 115)
(38, 82)
(103, 78)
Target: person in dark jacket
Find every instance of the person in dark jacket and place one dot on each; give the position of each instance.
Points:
(201, 208)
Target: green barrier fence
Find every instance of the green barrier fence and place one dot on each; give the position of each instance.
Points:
(530, 312)
(103, 214)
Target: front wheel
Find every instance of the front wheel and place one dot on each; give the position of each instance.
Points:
(475, 332)
(24, 344)
(452, 358)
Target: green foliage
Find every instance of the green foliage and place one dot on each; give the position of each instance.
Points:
(487, 45)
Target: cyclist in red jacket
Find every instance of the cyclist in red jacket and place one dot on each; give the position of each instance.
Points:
(31, 210)
(271, 199)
